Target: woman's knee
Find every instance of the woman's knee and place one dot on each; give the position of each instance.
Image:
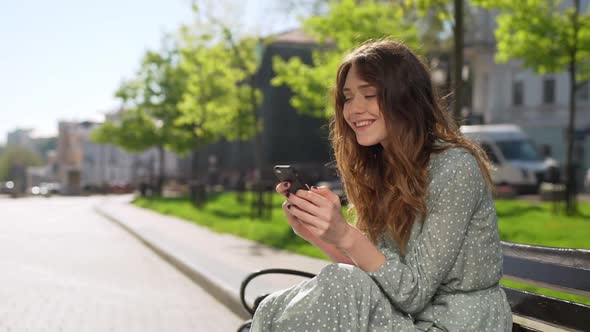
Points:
(344, 274)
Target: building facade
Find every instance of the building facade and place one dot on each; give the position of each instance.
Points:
(510, 93)
(85, 166)
(21, 137)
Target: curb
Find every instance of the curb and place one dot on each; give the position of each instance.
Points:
(221, 292)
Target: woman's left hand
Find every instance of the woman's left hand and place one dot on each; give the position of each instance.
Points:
(320, 210)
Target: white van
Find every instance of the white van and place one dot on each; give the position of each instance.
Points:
(516, 159)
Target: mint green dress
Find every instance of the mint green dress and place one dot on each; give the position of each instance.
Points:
(447, 281)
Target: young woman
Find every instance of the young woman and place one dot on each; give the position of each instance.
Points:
(424, 252)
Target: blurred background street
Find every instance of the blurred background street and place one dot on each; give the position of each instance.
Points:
(177, 111)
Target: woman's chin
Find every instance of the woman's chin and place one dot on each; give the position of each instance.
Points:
(365, 142)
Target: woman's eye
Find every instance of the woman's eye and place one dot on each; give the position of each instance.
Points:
(370, 96)
(347, 99)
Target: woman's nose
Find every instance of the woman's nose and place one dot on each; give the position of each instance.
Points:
(357, 105)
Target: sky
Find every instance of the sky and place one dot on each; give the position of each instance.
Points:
(64, 59)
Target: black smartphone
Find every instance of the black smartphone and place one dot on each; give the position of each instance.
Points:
(286, 173)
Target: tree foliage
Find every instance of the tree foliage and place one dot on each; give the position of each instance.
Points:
(14, 155)
(193, 92)
(347, 24)
(150, 106)
(541, 34)
(134, 131)
(218, 101)
(453, 13)
(548, 37)
(442, 10)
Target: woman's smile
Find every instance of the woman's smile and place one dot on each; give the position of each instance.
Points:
(361, 109)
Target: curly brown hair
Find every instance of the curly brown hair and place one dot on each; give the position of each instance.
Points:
(387, 183)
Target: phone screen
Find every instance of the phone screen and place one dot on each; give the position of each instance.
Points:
(286, 173)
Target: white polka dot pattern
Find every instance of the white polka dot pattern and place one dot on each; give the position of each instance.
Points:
(447, 281)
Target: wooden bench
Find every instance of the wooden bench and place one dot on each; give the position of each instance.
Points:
(563, 270)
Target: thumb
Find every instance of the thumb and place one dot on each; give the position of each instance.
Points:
(327, 193)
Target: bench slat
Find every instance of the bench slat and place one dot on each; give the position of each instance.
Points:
(555, 312)
(574, 258)
(556, 277)
(526, 324)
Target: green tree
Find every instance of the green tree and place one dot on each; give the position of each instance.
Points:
(245, 60)
(150, 108)
(200, 88)
(301, 9)
(17, 156)
(549, 37)
(215, 92)
(223, 88)
(346, 24)
(222, 96)
(452, 12)
(134, 131)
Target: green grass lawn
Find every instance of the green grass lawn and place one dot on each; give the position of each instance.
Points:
(535, 223)
(519, 221)
(224, 214)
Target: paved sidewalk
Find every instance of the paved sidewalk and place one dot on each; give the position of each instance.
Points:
(217, 262)
(65, 268)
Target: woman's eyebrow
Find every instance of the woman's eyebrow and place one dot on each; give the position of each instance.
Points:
(360, 87)
(366, 87)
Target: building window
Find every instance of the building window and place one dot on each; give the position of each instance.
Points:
(517, 93)
(549, 91)
(582, 93)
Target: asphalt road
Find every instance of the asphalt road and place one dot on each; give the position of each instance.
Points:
(65, 268)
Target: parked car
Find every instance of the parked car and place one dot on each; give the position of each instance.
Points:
(49, 188)
(39, 190)
(46, 189)
(7, 188)
(517, 160)
(120, 188)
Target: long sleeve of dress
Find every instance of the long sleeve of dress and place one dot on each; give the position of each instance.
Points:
(411, 282)
(447, 281)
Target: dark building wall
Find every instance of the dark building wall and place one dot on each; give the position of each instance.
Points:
(288, 137)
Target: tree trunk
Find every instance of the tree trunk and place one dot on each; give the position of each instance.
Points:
(458, 62)
(241, 185)
(258, 159)
(198, 194)
(161, 171)
(570, 172)
(194, 175)
(570, 169)
(258, 176)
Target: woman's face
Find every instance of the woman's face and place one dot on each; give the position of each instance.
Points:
(361, 110)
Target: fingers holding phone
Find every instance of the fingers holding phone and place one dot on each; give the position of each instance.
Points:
(289, 182)
(283, 188)
(298, 227)
(287, 173)
(328, 194)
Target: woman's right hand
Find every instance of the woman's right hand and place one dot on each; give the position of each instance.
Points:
(303, 231)
(298, 227)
